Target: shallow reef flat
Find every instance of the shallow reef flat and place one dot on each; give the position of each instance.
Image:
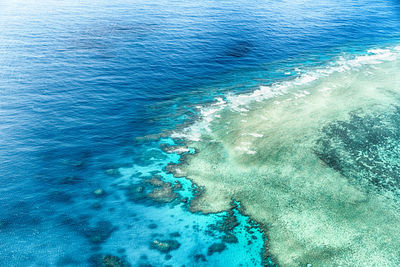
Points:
(314, 160)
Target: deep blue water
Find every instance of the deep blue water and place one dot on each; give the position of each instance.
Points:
(80, 80)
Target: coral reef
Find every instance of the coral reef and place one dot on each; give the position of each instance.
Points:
(165, 246)
(365, 148)
(216, 248)
(163, 194)
(113, 172)
(98, 260)
(71, 180)
(136, 193)
(99, 233)
(113, 261)
(316, 165)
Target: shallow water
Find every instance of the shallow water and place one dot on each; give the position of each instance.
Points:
(82, 83)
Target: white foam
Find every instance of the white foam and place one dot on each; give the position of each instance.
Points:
(305, 78)
(378, 51)
(256, 135)
(240, 102)
(180, 150)
(245, 150)
(325, 89)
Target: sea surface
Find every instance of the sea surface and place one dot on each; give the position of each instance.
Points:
(93, 93)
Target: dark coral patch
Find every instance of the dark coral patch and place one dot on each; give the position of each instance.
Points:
(163, 193)
(136, 193)
(99, 233)
(165, 246)
(216, 248)
(98, 260)
(113, 261)
(366, 148)
(199, 258)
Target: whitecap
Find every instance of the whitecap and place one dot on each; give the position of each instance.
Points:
(240, 103)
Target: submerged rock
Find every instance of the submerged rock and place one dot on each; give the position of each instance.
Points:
(240, 49)
(3, 224)
(164, 193)
(175, 149)
(60, 196)
(96, 206)
(161, 192)
(113, 261)
(149, 137)
(177, 186)
(230, 238)
(98, 260)
(75, 163)
(99, 192)
(175, 170)
(175, 234)
(136, 193)
(168, 257)
(226, 226)
(67, 260)
(71, 180)
(165, 246)
(216, 248)
(113, 172)
(155, 180)
(199, 257)
(100, 232)
(152, 226)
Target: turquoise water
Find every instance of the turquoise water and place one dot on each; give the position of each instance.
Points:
(91, 90)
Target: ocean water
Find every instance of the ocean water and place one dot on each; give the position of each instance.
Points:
(98, 98)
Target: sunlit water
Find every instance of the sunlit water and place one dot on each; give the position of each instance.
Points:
(82, 83)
